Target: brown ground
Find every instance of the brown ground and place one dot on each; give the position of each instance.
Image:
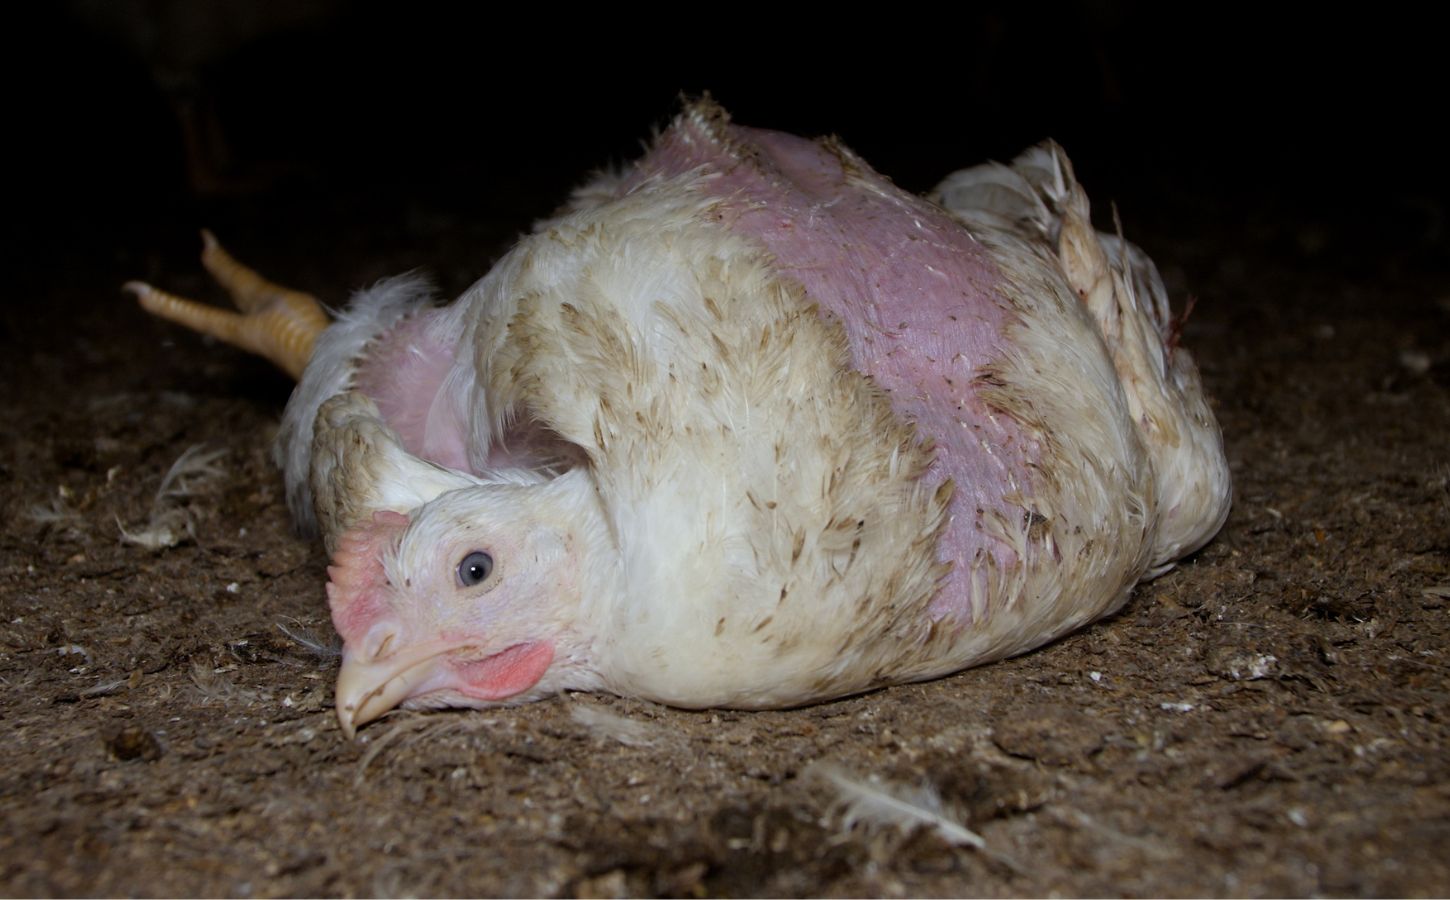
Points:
(1268, 719)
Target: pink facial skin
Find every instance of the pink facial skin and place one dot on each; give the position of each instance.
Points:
(918, 297)
(360, 595)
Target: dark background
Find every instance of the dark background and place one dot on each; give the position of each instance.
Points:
(373, 109)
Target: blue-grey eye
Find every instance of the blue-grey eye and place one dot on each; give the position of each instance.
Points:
(474, 568)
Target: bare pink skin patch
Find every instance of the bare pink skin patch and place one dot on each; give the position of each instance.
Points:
(404, 374)
(920, 301)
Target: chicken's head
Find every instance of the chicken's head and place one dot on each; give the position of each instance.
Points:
(472, 599)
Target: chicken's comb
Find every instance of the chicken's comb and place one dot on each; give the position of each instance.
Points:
(356, 578)
(275, 322)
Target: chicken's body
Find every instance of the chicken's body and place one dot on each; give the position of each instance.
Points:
(749, 426)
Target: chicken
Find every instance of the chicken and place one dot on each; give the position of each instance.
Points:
(744, 425)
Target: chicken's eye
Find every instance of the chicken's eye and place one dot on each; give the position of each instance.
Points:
(474, 568)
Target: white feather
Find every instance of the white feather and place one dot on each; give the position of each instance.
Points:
(170, 522)
(873, 802)
(603, 723)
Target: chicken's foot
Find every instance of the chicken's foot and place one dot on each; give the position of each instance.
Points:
(275, 322)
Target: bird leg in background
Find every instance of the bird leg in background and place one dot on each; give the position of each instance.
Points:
(275, 322)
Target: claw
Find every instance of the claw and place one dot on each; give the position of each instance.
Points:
(275, 322)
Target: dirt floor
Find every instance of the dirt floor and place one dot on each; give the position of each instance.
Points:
(1270, 718)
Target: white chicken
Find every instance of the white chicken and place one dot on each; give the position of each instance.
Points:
(745, 425)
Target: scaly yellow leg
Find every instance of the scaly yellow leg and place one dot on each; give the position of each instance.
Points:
(275, 322)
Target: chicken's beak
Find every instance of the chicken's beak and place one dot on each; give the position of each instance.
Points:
(367, 690)
(369, 686)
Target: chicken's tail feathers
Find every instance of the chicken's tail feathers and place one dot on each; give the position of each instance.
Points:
(1038, 198)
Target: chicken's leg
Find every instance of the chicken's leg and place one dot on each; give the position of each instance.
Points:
(275, 322)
